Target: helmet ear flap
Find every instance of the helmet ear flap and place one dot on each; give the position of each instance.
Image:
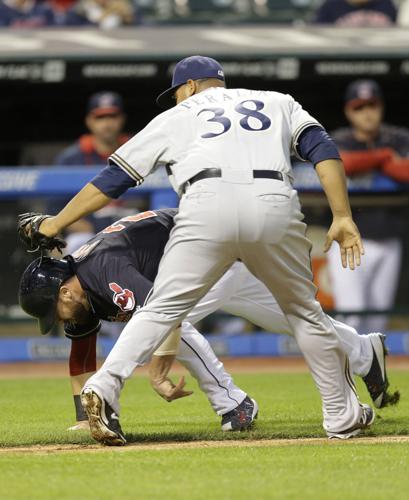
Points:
(40, 288)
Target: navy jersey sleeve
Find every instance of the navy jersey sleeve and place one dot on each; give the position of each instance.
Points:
(315, 145)
(113, 181)
(76, 331)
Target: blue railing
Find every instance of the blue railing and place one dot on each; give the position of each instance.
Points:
(255, 344)
(67, 181)
(28, 182)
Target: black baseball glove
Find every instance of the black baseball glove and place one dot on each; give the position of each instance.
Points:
(31, 237)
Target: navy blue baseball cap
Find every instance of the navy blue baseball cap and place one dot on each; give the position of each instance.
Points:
(105, 103)
(190, 68)
(362, 92)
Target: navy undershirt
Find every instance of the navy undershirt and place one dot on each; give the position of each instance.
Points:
(315, 145)
(113, 181)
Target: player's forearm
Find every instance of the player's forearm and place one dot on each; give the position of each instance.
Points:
(163, 358)
(332, 178)
(171, 344)
(160, 365)
(159, 368)
(88, 200)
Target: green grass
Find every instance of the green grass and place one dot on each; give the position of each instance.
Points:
(39, 411)
(316, 472)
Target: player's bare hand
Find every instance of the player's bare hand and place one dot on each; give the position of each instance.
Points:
(344, 231)
(169, 391)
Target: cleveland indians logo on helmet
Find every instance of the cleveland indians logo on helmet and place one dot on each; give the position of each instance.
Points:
(123, 297)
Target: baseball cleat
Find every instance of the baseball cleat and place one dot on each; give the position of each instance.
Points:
(376, 380)
(83, 425)
(366, 420)
(242, 417)
(103, 421)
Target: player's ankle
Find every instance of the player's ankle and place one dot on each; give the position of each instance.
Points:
(80, 415)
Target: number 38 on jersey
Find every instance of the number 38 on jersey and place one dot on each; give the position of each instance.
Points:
(247, 113)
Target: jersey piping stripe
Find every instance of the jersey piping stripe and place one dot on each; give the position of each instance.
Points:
(127, 168)
(212, 374)
(349, 378)
(297, 134)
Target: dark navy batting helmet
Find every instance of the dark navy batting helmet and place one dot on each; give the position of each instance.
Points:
(39, 288)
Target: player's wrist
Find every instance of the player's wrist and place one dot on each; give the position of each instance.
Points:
(49, 227)
(341, 213)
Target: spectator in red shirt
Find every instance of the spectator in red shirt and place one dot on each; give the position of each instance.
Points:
(369, 147)
(105, 120)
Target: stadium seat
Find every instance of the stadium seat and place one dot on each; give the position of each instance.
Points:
(155, 10)
(283, 11)
(205, 10)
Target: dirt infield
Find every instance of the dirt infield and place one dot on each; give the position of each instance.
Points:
(233, 365)
(241, 443)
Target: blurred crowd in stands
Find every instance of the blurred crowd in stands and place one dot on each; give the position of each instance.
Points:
(110, 14)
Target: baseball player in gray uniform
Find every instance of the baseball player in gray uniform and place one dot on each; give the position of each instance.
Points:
(228, 153)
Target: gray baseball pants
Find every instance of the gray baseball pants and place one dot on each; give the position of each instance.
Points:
(259, 222)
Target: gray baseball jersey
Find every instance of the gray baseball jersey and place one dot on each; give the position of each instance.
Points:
(212, 130)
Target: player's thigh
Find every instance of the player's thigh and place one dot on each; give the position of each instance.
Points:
(285, 269)
(218, 295)
(188, 269)
(254, 301)
(281, 257)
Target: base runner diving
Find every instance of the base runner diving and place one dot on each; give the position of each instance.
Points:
(110, 277)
